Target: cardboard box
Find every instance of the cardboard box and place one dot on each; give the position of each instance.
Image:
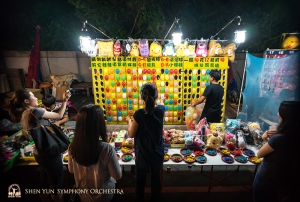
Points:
(178, 145)
(59, 91)
(36, 92)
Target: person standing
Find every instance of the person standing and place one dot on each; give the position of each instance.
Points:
(92, 160)
(213, 94)
(20, 106)
(146, 128)
(278, 175)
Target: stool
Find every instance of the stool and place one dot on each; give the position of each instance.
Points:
(86, 85)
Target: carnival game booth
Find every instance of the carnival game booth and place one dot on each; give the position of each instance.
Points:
(180, 80)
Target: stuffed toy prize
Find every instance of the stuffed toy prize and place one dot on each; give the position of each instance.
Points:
(169, 50)
(215, 49)
(201, 50)
(126, 47)
(106, 48)
(155, 49)
(214, 141)
(180, 49)
(117, 48)
(144, 48)
(229, 51)
(290, 42)
(134, 50)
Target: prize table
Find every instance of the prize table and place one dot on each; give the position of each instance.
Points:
(211, 161)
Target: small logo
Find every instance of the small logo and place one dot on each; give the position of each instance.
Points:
(14, 191)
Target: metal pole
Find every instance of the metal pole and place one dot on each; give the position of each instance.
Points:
(175, 21)
(242, 86)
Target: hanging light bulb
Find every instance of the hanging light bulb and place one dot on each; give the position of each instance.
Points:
(240, 33)
(177, 34)
(85, 39)
(239, 36)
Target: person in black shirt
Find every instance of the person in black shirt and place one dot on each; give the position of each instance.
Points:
(49, 102)
(146, 128)
(213, 95)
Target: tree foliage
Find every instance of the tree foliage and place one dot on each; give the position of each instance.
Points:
(61, 21)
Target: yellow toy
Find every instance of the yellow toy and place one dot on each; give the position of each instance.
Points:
(229, 51)
(290, 42)
(129, 142)
(214, 141)
(214, 49)
(134, 50)
(180, 49)
(253, 126)
(155, 49)
(106, 48)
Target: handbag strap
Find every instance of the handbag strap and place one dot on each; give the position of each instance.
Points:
(31, 112)
(82, 177)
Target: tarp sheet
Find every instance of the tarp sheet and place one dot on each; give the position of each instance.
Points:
(269, 81)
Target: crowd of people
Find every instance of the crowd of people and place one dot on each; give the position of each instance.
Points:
(95, 165)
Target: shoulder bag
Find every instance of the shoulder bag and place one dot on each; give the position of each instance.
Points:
(46, 142)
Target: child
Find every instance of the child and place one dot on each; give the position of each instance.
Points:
(49, 102)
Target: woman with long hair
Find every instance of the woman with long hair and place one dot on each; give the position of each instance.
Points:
(20, 106)
(92, 160)
(278, 175)
(146, 128)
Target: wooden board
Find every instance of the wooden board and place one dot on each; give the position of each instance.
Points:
(15, 77)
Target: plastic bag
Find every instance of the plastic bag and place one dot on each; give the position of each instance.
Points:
(190, 118)
(240, 139)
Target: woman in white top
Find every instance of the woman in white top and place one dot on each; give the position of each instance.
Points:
(92, 160)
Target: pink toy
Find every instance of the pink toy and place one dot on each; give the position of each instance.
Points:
(198, 142)
(230, 141)
(201, 50)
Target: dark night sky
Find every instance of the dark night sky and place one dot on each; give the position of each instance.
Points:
(265, 21)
